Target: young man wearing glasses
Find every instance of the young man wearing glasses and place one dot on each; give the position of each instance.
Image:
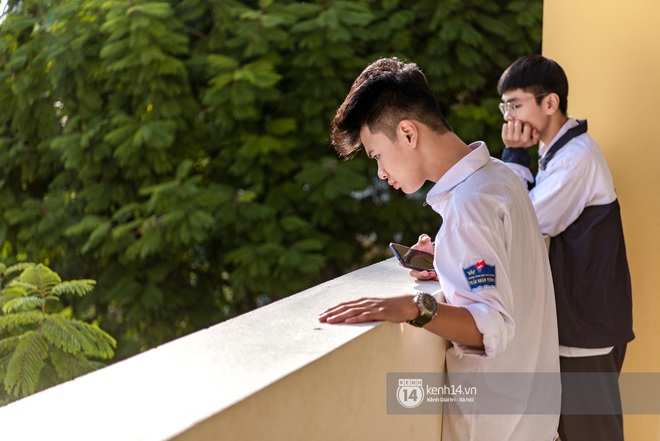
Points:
(576, 205)
(490, 259)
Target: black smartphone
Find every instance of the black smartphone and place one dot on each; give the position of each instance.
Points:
(413, 259)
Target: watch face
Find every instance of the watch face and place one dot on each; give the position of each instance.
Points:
(429, 303)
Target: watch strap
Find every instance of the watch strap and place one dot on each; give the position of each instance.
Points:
(421, 320)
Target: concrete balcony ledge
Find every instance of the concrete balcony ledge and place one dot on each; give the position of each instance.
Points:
(274, 373)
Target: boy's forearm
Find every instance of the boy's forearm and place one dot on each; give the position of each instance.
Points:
(456, 324)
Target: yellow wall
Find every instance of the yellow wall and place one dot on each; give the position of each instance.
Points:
(610, 51)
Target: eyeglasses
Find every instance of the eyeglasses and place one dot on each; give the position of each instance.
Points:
(511, 106)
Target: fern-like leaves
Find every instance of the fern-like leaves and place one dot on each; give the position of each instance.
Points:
(76, 337)
(22, 304)
(6, 271)
(11, 322)
(69, 366)
(77, 287)
(25, 366)
(38, 278)
(40, 348)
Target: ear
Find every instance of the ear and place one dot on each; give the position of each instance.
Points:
(550, 103)
(408, 130)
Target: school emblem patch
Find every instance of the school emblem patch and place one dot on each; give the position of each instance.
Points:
(479, 274)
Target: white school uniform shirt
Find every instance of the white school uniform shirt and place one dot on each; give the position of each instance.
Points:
(489, 223)
(577, 177)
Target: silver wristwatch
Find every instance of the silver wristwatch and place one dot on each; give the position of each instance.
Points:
(428, 308)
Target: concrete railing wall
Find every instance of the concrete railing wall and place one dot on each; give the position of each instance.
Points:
(275, 373)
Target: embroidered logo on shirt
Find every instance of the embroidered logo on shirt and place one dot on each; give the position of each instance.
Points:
(479, 275)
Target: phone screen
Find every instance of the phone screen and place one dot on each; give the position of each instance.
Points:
(413, 259)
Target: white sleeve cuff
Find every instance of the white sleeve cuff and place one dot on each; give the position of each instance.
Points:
(496, 328)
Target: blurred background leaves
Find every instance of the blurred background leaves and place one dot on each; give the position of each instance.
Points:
(177, 151)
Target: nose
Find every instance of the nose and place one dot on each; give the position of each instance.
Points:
(508, 116)
(382, 174)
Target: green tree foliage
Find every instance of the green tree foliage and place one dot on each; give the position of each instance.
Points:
(41, 344)
(178, 150)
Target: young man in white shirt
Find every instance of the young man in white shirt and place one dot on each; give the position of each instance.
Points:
(503, 321)
(577, 207)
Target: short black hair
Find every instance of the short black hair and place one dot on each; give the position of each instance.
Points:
(386, 92)
(537, 75)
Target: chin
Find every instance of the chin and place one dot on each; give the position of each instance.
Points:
(410, 191)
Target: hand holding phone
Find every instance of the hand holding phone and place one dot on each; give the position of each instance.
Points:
(414, 259)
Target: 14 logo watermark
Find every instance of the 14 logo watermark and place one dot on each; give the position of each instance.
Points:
(412, 392)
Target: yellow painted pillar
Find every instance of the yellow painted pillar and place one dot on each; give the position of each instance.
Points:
(610, 51)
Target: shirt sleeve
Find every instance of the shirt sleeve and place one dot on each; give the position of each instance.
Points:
(491, 305)
(561, 193)
(518, 160)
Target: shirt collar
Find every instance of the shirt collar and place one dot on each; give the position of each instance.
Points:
(569, 124)
(459, 172)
